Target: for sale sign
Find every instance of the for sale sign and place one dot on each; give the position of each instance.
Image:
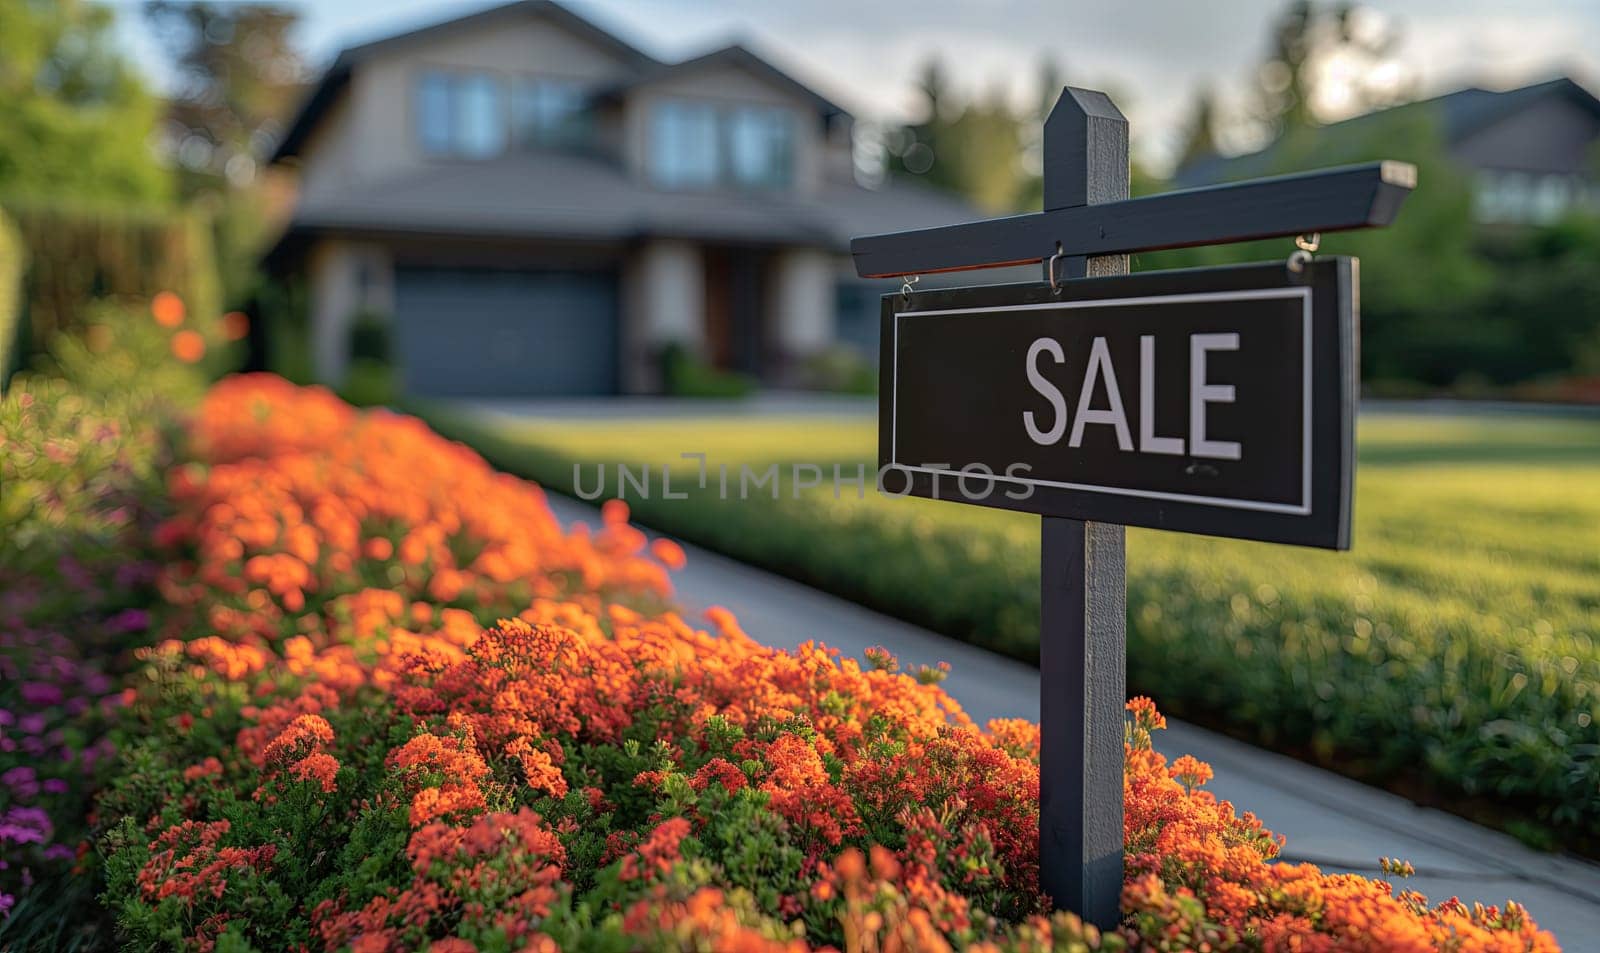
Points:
(1217, 401)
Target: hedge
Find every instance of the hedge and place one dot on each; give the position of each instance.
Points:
(82, 254)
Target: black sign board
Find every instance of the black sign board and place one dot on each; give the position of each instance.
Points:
(1217, 401)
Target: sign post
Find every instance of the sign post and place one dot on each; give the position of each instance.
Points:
(1083, 615)
(1218, 401)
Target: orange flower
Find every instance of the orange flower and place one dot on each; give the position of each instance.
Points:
(235, 325)
(188, 346)
(669, 552)
(318, 767)
(167, 309)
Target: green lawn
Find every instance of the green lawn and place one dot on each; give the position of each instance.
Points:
(1451, 655)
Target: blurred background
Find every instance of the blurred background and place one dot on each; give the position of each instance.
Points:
(437, 199)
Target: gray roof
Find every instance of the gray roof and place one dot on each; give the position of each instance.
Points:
(564, 196)
(1459, 115)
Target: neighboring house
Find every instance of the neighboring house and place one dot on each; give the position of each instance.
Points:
(1534, 151)
(540, 208)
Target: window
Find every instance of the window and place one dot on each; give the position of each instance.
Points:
(435, 127)
(480, 116)
(548, 113)
(683, 145)
(461, 114)
(760, 147)
(697, 145)
(1522, 198)
(1555, 195)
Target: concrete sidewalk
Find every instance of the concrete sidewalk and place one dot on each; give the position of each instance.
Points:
(1328, 820)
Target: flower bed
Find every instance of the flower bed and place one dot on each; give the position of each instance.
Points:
(397, 707)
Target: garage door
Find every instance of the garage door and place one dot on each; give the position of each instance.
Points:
(481, 333)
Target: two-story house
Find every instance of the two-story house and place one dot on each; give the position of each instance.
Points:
(1534, 152)
(540, 208)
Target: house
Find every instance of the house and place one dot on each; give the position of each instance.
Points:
(539, 208)
(1534, 152)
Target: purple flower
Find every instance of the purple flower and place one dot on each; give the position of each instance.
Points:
(26, 825)
(56, 786)
(129, 620)
(41, 693)
(23, 782)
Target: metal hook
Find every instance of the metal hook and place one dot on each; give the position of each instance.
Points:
(905, 287)
(1050, 271)
(1304, 246)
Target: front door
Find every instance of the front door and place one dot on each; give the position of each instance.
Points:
(735, 295)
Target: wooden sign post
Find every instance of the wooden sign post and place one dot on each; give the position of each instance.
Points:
(1083, 583)
(1218, 401)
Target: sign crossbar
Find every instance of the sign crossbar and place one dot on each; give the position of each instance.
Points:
(1328, 200)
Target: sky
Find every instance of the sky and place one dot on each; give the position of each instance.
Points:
(1150, 54)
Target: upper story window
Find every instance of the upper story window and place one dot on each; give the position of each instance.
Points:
(698, 145)
(436, 113)
(548, 112)
(683, 145)
(479, 115)
(760, 147)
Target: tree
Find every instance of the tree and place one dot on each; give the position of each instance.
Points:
(1198, 138)
(74, 118)
(238, 75)
(1323, 58)
(972, 148)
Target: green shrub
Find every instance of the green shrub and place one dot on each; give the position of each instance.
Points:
(283, 308)
(368, 383)
(13, 261)
(685, 375)
(79, 255)
(369, 338)
(841, 370)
